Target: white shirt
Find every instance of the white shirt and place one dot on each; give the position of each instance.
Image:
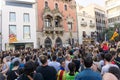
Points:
(106, 68)
(66, 65)
(55, 64)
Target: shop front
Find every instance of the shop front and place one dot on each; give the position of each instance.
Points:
(18, 46)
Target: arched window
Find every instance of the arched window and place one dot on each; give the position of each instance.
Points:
(57, 21)
(48, 43)
(65, 6)
(56, 6)
(70, 25)
(46, 4)
(47, 21)
(58, 42)
(90, 21)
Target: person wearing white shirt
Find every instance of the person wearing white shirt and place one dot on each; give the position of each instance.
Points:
(108, 64)
(54, 63)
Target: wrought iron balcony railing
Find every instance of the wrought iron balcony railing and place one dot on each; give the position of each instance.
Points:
(53, 29)
(58, 28)
(48, 28)
(83, 23)
(92, 24)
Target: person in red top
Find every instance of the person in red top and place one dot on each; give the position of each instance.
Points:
(105, 47)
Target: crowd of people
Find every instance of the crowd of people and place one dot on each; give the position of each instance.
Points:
(98, 61)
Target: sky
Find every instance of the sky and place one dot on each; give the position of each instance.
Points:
(86, 2)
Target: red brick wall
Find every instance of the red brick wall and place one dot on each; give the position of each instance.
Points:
(51, 4)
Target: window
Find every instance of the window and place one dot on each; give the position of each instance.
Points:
(47, 23)
(46, 4)
(65, 7)
(90, 21)
(48, 42)
(26, 32)
(100, 21)
(103, 15)
(70, 25)
(12, 17)
(95, 13)
(16, 4)
(12, 33)
(26, 17)
(99, 14)
(82, 19)
(92, 34)
(96, 20)
(57, 21)
(84, 34)
(83, 13)
(56, 6)
(103, 21)
(109, 20)
(118, 17)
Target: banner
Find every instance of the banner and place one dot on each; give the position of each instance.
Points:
(12, 34)
(115, 34)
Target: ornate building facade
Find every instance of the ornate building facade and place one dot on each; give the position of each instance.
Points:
(56, 23)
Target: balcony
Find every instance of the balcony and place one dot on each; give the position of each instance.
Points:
(58, 28)
(48, 29)
(53, 29)
(112, 5)
(83, 23)
(92, 24)
(114, 14)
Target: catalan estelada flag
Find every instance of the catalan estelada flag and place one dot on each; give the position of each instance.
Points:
(115, 34)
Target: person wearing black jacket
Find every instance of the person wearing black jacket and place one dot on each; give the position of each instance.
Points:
(14, 73)
(29, 73)
(48, 72)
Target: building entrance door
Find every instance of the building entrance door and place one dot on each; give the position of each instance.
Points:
(58, 42)
(48, 43)
(19, 46)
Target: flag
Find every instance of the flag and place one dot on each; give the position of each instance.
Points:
(115, 34)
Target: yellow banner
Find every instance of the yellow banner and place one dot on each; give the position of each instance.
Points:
(114, 35)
